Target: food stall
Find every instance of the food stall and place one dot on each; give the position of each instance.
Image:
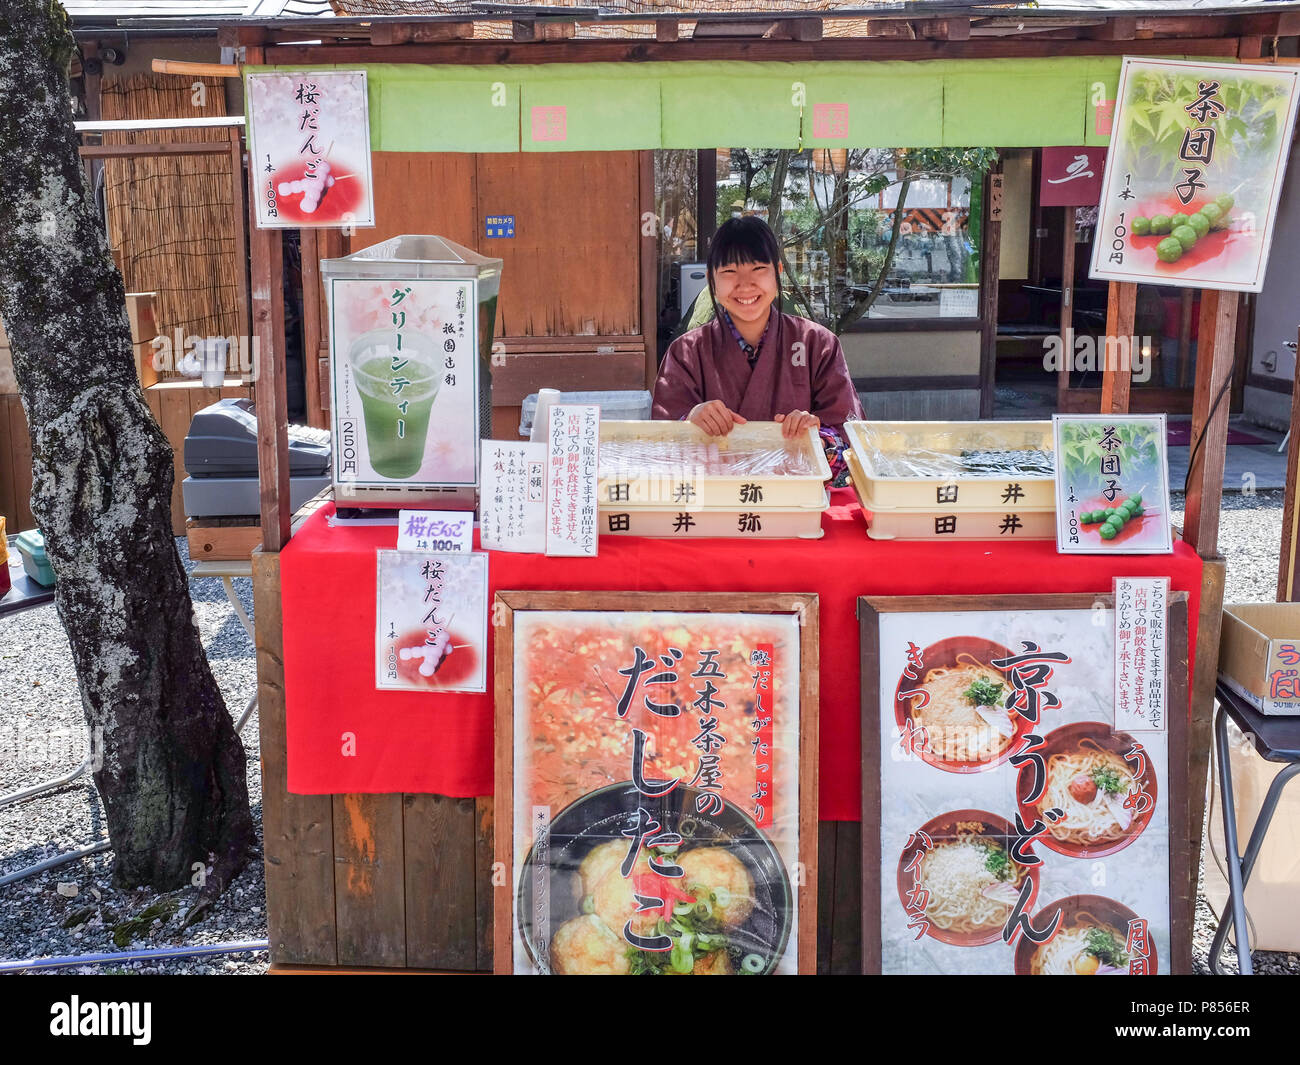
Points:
(383, 810)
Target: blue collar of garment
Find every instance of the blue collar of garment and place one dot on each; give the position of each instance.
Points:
(751, 350)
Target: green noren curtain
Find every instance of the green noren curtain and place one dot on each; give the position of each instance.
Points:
(617, 106)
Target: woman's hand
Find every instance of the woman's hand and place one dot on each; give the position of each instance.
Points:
(797, 421)
(714, 417)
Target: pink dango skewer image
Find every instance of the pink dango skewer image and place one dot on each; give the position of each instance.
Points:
(312, 187)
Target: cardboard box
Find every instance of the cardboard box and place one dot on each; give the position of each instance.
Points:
(1259, 655)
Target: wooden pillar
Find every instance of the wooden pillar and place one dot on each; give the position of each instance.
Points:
(649, 265)
(1067, 310)
(1121, 305)
(1216, 344)
(1287, 583)
(239, 200)
(311, 325)
(1185, 337)
(298, 830)
(989, 255)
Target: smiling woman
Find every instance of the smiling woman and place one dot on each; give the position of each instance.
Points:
(753, 362)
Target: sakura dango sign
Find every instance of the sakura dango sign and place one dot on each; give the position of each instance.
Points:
(1194, 173)
(309, 145)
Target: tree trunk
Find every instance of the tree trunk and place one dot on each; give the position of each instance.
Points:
(172, 771)
(860, 307)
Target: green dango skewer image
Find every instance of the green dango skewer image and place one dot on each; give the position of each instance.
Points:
(1182, 231)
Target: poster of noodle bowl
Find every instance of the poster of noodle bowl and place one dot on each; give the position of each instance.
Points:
(654, 758)
(1015, 829)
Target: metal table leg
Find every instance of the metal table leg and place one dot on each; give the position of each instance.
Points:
(248, 628)
(1235, 911)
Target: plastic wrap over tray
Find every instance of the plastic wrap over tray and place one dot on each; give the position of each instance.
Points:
(673, 463)
(952, 466)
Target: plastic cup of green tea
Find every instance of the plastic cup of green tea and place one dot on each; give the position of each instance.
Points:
(397, 388)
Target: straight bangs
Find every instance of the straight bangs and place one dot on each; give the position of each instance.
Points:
(743, 240)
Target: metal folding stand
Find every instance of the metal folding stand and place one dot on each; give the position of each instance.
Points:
(227, 570)
(1278, 740)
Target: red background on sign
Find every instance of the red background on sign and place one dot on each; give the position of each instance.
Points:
(1077, 192)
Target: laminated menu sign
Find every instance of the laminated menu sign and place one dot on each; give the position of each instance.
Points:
(1024, 829)
(1112, 484)
(512, 505)
(309, 149)
(658, 762)
(573, 457)
(404, 376)
(1194, 173)
(1141, 652)
(431, 622)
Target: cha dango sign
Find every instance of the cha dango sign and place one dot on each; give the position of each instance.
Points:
(309, 149)
(1194, 173)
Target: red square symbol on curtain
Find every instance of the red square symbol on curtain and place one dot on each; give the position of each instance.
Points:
(1105, 118)
(830, 120)
(550, 123)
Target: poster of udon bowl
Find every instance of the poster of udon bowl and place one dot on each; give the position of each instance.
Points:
(309, 148)
(1194, 173)
(1020, 831)
(404, 376)
(656, 793)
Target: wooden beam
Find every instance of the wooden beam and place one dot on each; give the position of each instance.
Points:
(1216, 340)
(666, 31)
(1287, 583)
(831, 48)
(125, 151)
(195, 70)
(1265, 24)
(1121, 304)
(390, 33)
(990, 255)
(894, 29)
(1251, 48)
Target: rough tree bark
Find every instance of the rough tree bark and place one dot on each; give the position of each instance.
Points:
(170, 768)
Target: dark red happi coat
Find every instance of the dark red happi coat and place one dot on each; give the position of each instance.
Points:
(707, 363)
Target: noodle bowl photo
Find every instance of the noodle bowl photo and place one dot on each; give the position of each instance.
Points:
(957, 881)
(1090, 940)
(1104, 800)
(959, 700)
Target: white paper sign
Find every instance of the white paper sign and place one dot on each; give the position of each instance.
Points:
(431, 622)
(1141, 653)
(309, 149)
(512, 505)
(438, 531)
(573, 459)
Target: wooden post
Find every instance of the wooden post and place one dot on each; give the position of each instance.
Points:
(649, 267)
(1121, 304)
(1217, 340)
(1067, 310)
(990, 254)
(238, 199)
(1286, 570)
(1185, 337)
(311, 325)
(298, 830)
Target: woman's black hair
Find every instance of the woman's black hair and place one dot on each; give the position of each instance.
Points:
(743, 240)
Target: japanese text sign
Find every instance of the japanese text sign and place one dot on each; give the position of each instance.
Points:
(309, 149)
(431, 622)
(572, 465)
(1141, 653)
(439, 531)
(1194, 173)
(512, 505)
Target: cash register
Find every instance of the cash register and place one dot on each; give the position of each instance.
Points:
(221, 461)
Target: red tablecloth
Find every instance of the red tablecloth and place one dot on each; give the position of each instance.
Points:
(416, 742)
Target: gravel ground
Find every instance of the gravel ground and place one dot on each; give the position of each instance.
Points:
(42, 736)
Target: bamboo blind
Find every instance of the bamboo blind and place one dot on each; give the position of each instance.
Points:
(171, 219)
